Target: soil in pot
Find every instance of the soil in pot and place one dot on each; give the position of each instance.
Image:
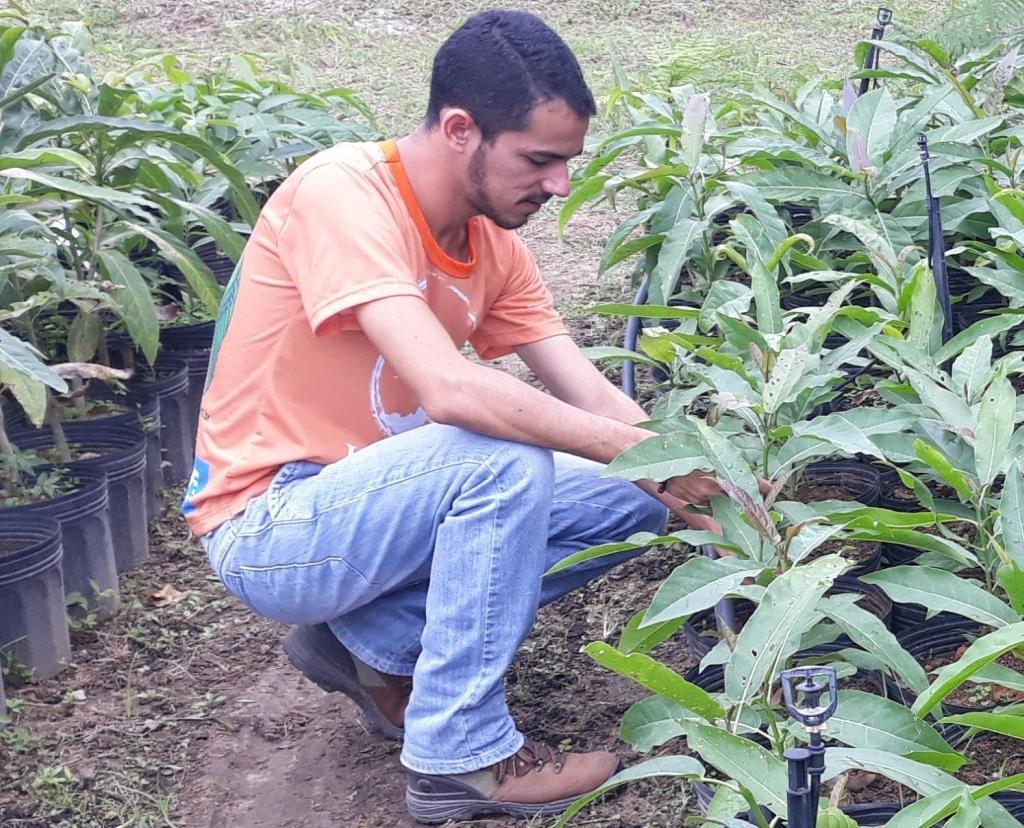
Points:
(88, 565)
(33, 623)
(993, 757)
(865, 555)
(848, 480)
(975, 695)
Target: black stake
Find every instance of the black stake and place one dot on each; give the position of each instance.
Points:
(806, 765)
(936, 247)
(884, 18)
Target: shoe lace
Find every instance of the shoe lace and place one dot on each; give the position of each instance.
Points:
(532, 756)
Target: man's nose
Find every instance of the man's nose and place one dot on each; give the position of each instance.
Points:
(557, 183)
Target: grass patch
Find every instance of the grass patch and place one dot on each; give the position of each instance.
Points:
(384, 50)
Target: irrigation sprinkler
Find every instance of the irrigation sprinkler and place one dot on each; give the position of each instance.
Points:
(806, 764)
(883, 19)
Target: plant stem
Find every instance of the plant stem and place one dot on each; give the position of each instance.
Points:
(7, 455)
(60, 440)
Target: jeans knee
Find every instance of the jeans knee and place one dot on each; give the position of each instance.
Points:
(518, 467)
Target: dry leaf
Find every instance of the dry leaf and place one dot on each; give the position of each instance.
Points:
(166, 596)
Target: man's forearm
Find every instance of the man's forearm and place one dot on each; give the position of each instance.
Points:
(490, 402)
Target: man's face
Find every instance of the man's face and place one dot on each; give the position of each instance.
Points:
(512, 177)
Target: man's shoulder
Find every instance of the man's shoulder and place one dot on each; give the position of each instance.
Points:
(349, 162)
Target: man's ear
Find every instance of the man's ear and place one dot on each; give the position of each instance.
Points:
(459, 130)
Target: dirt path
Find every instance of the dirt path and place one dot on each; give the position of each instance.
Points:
(188, 713)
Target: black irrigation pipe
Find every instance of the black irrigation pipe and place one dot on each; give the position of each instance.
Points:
(633, 325)
(871, 61)
(936, 248)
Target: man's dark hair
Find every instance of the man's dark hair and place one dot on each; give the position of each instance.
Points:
(500, 64)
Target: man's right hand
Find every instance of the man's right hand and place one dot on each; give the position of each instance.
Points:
(693, 489)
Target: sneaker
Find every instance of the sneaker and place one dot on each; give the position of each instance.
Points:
(316, 653)
(536, 781)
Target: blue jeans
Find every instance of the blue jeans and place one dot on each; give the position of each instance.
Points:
(425, 553)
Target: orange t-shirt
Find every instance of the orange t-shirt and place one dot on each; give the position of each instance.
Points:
(292, 377)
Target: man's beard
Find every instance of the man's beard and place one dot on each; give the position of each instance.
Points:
(481, 201)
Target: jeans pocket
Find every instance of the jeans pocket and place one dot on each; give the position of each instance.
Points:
(282, 504)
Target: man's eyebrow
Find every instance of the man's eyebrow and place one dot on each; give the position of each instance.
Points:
(548, 155)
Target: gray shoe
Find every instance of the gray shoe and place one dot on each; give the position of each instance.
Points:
(316, 653)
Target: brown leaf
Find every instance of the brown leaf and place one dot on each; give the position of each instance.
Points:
(166, 596)
(858, 780)
(90, 370)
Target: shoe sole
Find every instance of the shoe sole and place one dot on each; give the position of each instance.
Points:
(436, 809)
(323, 670)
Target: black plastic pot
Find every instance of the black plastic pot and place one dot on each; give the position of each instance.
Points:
(32, 619)
(88, 564)
(191, 343)
(13, 414)
(798, 214)
(860, 480)
(145, 416)
(122, 456)
(168, 382)
(936, 638)
(220, 265)
(697, 630)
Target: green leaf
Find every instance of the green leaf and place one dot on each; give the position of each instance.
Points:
(637, 640)
(915, 540)
(869, 632)
(968, 814)
(865, 720)
(679, 243)
(948, 406)
(787, 372)
(582, 192)
(698, 584)
(727, 461)
(135, 302)
(671, 766)
(798, 184)
(989, 326)
(138, 131)
(660, 457)
(652, 722)
(28, 391)
(1006, 724)
(972, 368)
(641, 540)
(1011, 579)
(983, 651)
(749, 764)
(840, 431)
(105, 196)
(873, 117)
(615, 354)
(657, 678)
(1011, 513)
(1010, 283)
(995, 427)
(944, 469)
(942, 591)
(923, 310)
(22, 358)
(47, 157)
(773, 632)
